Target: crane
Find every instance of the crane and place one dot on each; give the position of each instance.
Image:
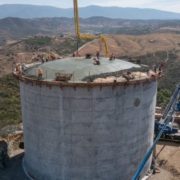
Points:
(79, 36)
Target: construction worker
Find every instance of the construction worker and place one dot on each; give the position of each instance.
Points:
(18, 68)
(112, 57)
(23, 67)
(96, 61)
(98, 55)
(160, 68)
(39, 73)
(153, 165)
(155, 68)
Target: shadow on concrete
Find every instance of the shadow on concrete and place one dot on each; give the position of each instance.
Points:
(13, 170)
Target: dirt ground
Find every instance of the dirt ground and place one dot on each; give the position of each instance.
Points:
(168, 164)
(132, 46)
(119, 45)
(168, 161)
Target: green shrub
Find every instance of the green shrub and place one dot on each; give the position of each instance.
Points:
(9, 101)
(163, 97)
(38, 41)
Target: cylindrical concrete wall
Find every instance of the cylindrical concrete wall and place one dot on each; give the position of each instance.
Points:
(87, 133)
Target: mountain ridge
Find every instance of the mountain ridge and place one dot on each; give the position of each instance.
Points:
(17, 28)
(37, 11)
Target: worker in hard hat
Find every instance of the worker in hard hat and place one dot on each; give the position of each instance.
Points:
(96, 61)
(112, 57)
(18, 68)
(97, 55)
(39, 73)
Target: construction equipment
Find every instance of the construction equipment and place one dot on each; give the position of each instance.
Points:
(102, 39)
(63, 77)
(163, 128)
(169, 129)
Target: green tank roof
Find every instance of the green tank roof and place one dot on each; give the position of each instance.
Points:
(80, 68)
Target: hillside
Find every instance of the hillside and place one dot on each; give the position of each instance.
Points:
(32, 11)
(17, 28)
(146, 49)
(151, 50)
(135, 46)
(122, 46)
(25, 51)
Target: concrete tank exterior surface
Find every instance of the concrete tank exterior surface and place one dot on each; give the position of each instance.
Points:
(87, 133)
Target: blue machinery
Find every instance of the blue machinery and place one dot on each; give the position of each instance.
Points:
(165, 126)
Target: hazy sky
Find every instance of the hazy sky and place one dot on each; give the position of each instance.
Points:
(169, 5)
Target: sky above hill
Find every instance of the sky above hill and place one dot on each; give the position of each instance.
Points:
(168, 5)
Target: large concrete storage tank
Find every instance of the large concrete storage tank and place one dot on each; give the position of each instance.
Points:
(86, 128)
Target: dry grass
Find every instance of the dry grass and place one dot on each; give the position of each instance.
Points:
(126, 45)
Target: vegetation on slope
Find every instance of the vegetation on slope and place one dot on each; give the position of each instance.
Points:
(163, 97)
(9, 101)
(38, 41)
(171, 73)
(169, 81)
(69, 46)
(62, 46)
(9, 89)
